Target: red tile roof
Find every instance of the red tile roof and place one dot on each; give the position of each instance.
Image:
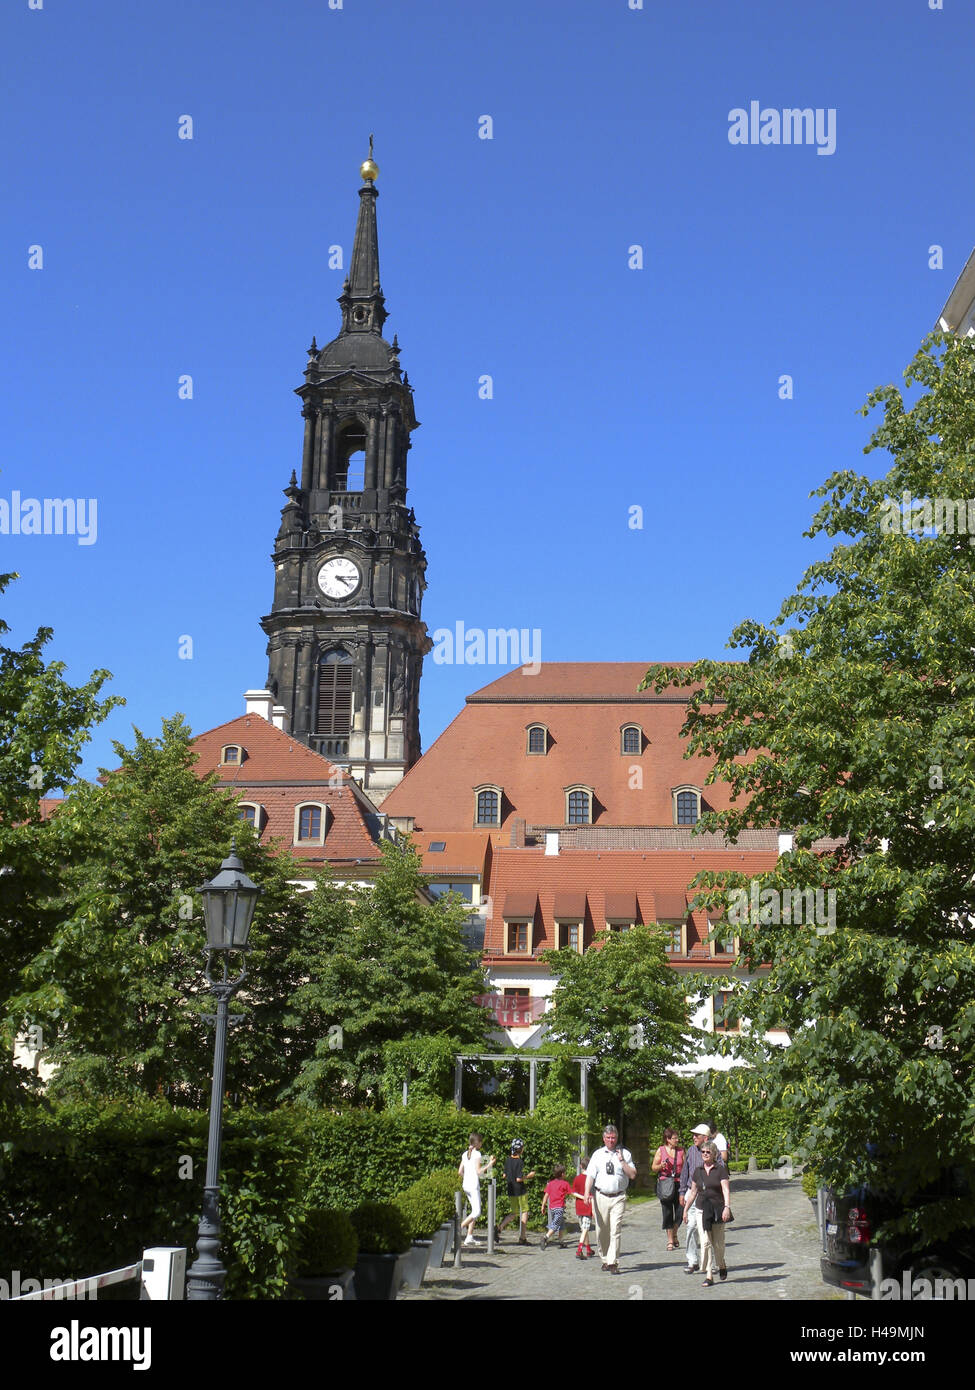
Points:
(564, 680)
(464, 852)
(583, 705)
(280, 774)
(526, 880)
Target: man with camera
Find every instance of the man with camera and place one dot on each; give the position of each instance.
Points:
(608, 1174)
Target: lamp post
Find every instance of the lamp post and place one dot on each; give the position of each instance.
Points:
(229, 900)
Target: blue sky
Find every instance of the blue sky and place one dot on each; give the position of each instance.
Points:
(508, 257)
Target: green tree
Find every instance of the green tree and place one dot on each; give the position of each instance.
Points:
(623, 1003)
(44, 724)
(381, 965)
(856, 708)
(117, 985)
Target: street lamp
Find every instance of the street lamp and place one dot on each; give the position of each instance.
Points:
(229, 900)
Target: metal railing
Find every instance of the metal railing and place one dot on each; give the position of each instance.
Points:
(165, 1266)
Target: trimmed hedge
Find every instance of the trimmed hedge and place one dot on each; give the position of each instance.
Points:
(85, 1188)
(359, 1155)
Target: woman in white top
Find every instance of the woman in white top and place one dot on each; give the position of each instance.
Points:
(471, 1170)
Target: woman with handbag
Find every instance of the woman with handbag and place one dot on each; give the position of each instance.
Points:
(711, 1189)
(667, 1164)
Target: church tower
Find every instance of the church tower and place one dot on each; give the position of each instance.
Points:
(345, 637)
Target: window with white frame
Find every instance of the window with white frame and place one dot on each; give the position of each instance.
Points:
(518, 938)
(631, 739)
(537, 738)
(724, 942)
(310, 824)
(674, 939)
(570, 936)
(578, 805)
(687, 805)
(723, 1012)
(251, 813)
(487, 805)
(232, 755)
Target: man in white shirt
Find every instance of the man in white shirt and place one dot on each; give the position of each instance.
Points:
(608, 1174)
(719, 1141)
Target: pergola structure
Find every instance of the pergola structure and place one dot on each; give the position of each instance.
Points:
(584, 1063)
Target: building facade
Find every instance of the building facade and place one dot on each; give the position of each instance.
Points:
(559, 803)
(292, 796)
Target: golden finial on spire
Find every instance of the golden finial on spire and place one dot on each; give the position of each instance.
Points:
(368, 169)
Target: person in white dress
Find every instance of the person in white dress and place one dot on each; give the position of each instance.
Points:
(471, 1170)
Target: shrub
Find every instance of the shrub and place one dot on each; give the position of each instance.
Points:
(810, 1184)
(395, 1147)
(327, 1242)
(381, 1228)
(85, 1187)
(422, 1205)
(446, 1182)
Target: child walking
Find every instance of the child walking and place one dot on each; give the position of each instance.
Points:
(471, 1170)
(514, 1172)
(584, 1213)
(556, 1192)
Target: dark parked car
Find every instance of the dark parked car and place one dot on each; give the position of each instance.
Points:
(853, 1259)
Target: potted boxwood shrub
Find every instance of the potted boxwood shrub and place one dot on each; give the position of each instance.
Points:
(325, 1256)
(446, 1181)
(384, 1240)
(422, 1206)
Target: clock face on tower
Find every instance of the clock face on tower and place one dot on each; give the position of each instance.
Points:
(339, 577)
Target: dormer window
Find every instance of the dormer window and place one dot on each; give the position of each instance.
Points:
(537, 738)
(631, 739)
(310, 824)
(252, 814)
(487, 805)
(578, 805)
(687, 805)
(232, 755)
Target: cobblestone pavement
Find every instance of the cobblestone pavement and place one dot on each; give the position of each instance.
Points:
(772, 1251)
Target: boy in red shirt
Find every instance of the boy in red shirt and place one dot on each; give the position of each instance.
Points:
(584, 1213)
(556, 1192)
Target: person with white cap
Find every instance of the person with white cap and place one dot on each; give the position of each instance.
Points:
(695, 1231)
(609, 1173)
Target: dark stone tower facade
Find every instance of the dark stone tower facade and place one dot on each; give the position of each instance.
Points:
(345, 637)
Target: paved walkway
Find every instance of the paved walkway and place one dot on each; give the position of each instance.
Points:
(772, 1251)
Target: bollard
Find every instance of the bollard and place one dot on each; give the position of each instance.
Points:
(752, 1163)
(458, 1213)
(492, 1208)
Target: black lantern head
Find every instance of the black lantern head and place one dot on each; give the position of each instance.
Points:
(229, 900)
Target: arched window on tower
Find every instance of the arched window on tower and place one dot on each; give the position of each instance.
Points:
(334, 718)
(350, 458)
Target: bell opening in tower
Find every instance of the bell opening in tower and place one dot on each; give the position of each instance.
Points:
(350, 459)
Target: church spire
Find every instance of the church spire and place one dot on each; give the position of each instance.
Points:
(362, 303)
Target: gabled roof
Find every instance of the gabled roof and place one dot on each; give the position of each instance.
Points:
(554, 681)
(280, 774)
(271, 755)
(584, 706)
